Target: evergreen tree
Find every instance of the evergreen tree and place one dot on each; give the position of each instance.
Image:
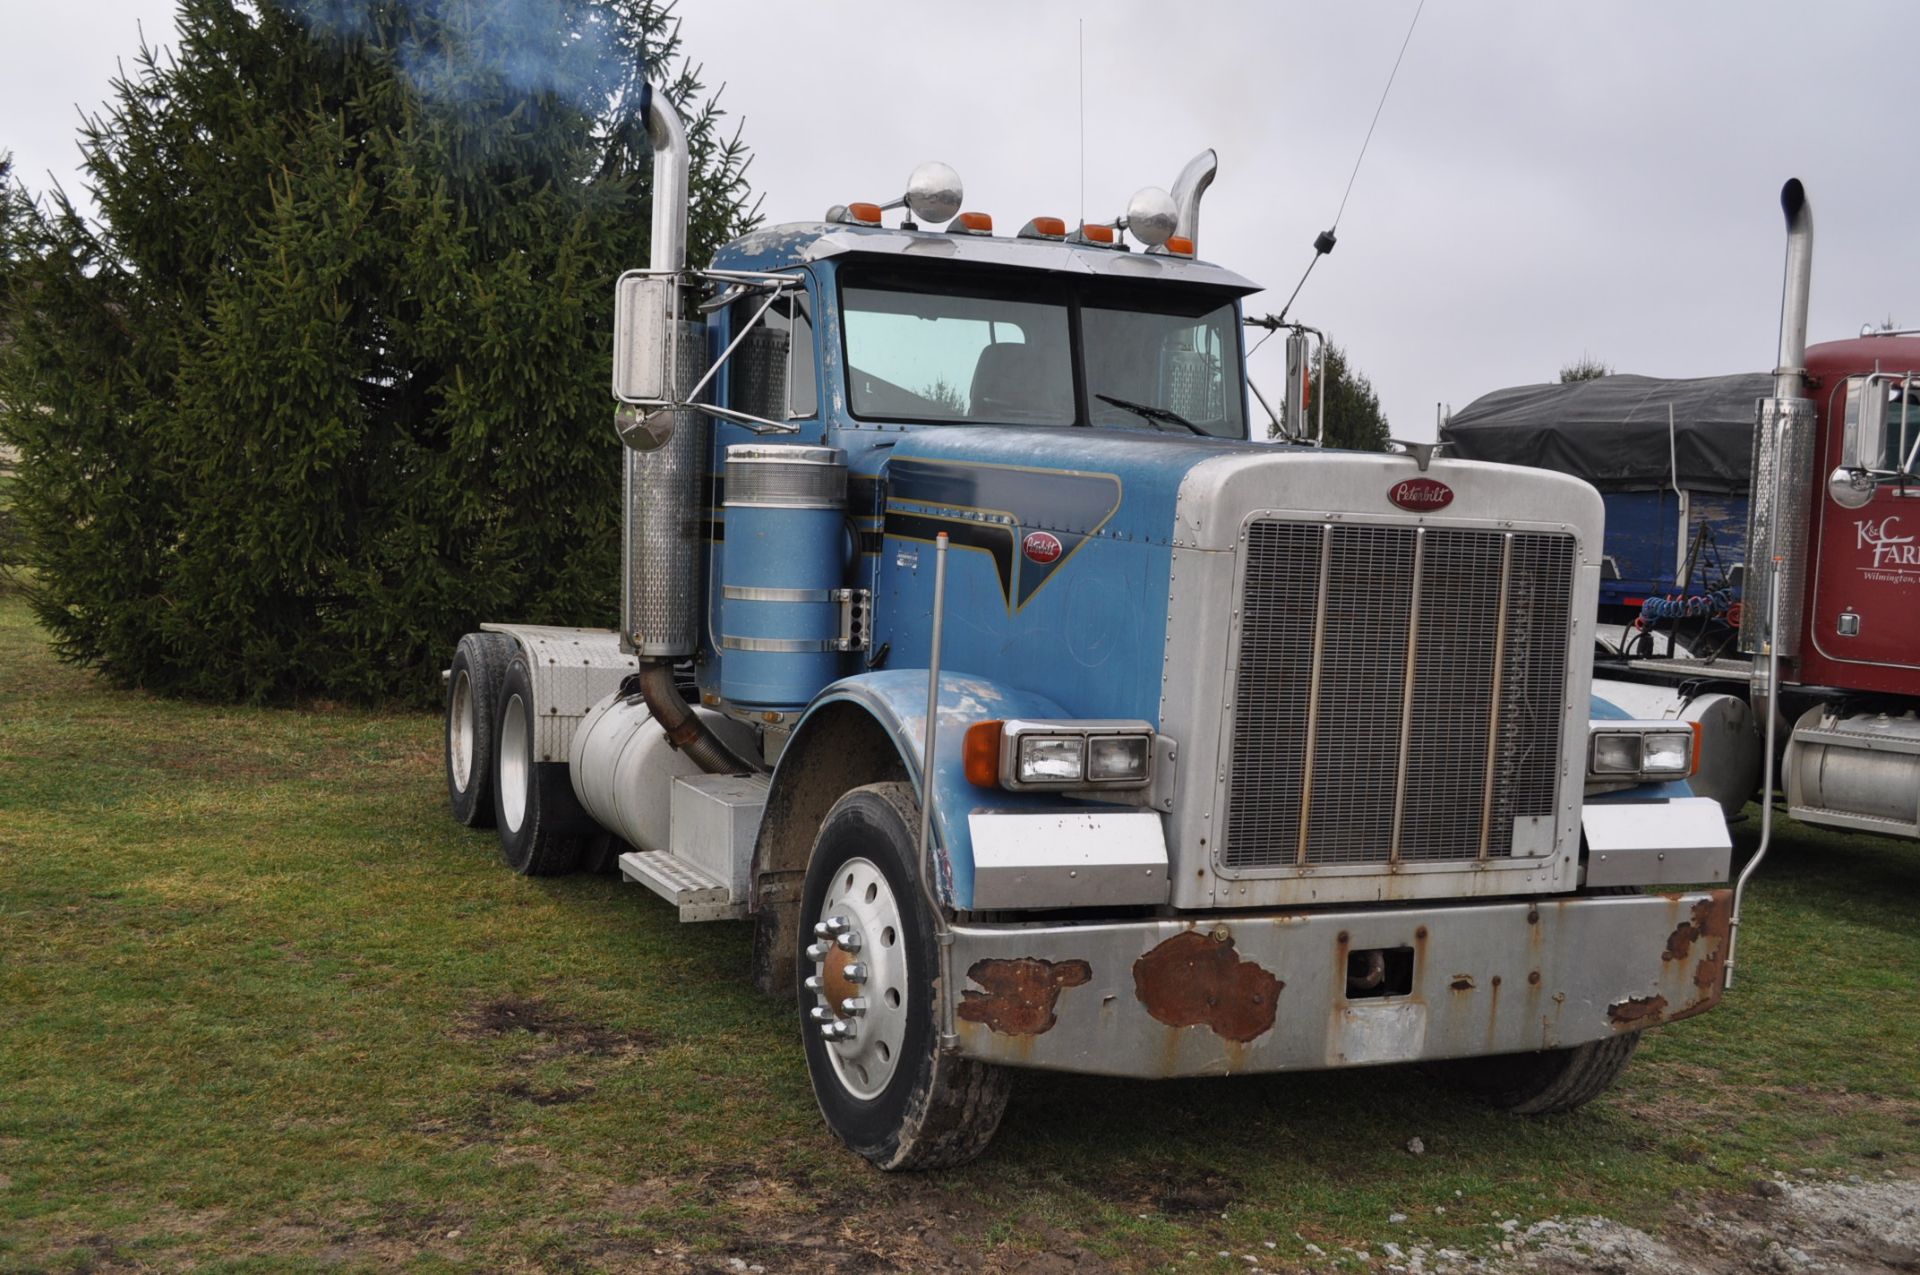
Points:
(1354, 418)
(326, 381)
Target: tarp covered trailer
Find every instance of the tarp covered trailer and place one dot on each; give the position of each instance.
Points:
(1672, 460)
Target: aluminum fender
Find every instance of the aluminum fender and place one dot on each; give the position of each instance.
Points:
(1664, 841)
(1269, 992)
(897, 700)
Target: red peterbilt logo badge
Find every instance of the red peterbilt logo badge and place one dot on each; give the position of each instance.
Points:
(1421, 494)
(1041, 546)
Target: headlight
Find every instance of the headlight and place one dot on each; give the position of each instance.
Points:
(1117, 757)
(1641, 750)
(1669, 754)
(1059, 755)
(1616, 755)
(1051, 759)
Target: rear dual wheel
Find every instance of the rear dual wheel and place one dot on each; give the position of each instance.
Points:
(539, 819)
(869, 1012)
(474, 676)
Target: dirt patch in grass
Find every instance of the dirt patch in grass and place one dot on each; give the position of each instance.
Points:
(1166, 1189)
(555, 1097)
(559, 1032)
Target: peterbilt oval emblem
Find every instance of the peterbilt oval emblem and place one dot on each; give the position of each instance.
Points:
(1421, 494)
(1041, 546)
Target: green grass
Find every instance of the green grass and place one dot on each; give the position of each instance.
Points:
(263, 1006)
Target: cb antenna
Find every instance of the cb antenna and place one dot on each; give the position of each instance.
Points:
(1083, 120)
(1324, 241)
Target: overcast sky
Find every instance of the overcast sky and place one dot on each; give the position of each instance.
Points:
(1547, 180)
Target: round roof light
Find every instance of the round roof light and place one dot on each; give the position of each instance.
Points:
(934, 192)
(1152, 216)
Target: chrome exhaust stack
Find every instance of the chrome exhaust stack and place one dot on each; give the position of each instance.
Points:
(1777, 517)
(663, 536)
(1777, 514)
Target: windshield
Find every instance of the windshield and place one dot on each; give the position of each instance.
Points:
(1042, 351)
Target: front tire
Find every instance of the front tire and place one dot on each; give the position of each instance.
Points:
(474, 675)
(869, 1010)
(1544, 1083)
(538, 817)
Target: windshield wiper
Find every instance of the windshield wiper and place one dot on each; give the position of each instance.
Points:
(1155, 416)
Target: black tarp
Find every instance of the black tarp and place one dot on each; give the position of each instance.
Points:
(1612, 431)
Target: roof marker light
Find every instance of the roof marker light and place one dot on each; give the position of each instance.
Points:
(971, 223)
(1044, 228)
(1179, 246)
(864, 214)
(1105, 236)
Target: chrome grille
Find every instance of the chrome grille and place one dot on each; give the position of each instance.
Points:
(1399, 694)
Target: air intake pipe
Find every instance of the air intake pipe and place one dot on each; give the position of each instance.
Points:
(661, 577)
(1782, 460)
(1187, 190)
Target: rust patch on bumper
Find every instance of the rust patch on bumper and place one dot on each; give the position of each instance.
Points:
(1703, 938)
(1192, 980)
(1020, 994)
(1641, 1011)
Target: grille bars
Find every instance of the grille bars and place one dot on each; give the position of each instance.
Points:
(1407, 686)
(1313, 692)
(1340, 755)
(1493, 705)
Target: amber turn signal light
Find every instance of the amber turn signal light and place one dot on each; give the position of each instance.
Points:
(981, 754)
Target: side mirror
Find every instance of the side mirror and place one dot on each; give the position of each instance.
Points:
(1865, 439)
(642, 338)
(1850, 488)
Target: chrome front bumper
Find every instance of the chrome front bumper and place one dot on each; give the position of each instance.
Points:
(1268, 992)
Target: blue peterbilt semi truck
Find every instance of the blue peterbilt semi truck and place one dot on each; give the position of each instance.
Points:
(1038, 717)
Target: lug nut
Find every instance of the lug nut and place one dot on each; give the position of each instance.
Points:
(854, 1006)
(833, 925)
(856, 972)
(848, 942)
(840, 1030)
(821, 1014)
(814, 983)
(818, 951)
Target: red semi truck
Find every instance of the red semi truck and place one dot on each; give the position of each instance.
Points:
(1834, 531)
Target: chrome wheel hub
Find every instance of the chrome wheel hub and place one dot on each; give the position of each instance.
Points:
(462, 730)
(859, 978)
(516, 768)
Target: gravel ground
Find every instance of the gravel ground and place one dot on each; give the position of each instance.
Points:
(1783, 1225)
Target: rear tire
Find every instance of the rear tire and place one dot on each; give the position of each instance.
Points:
(474, 676)
(535, 811)
(1545, 1083)
(886, 1090)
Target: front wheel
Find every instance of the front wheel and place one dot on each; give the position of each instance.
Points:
(1543, 1083)
(869, 1011)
